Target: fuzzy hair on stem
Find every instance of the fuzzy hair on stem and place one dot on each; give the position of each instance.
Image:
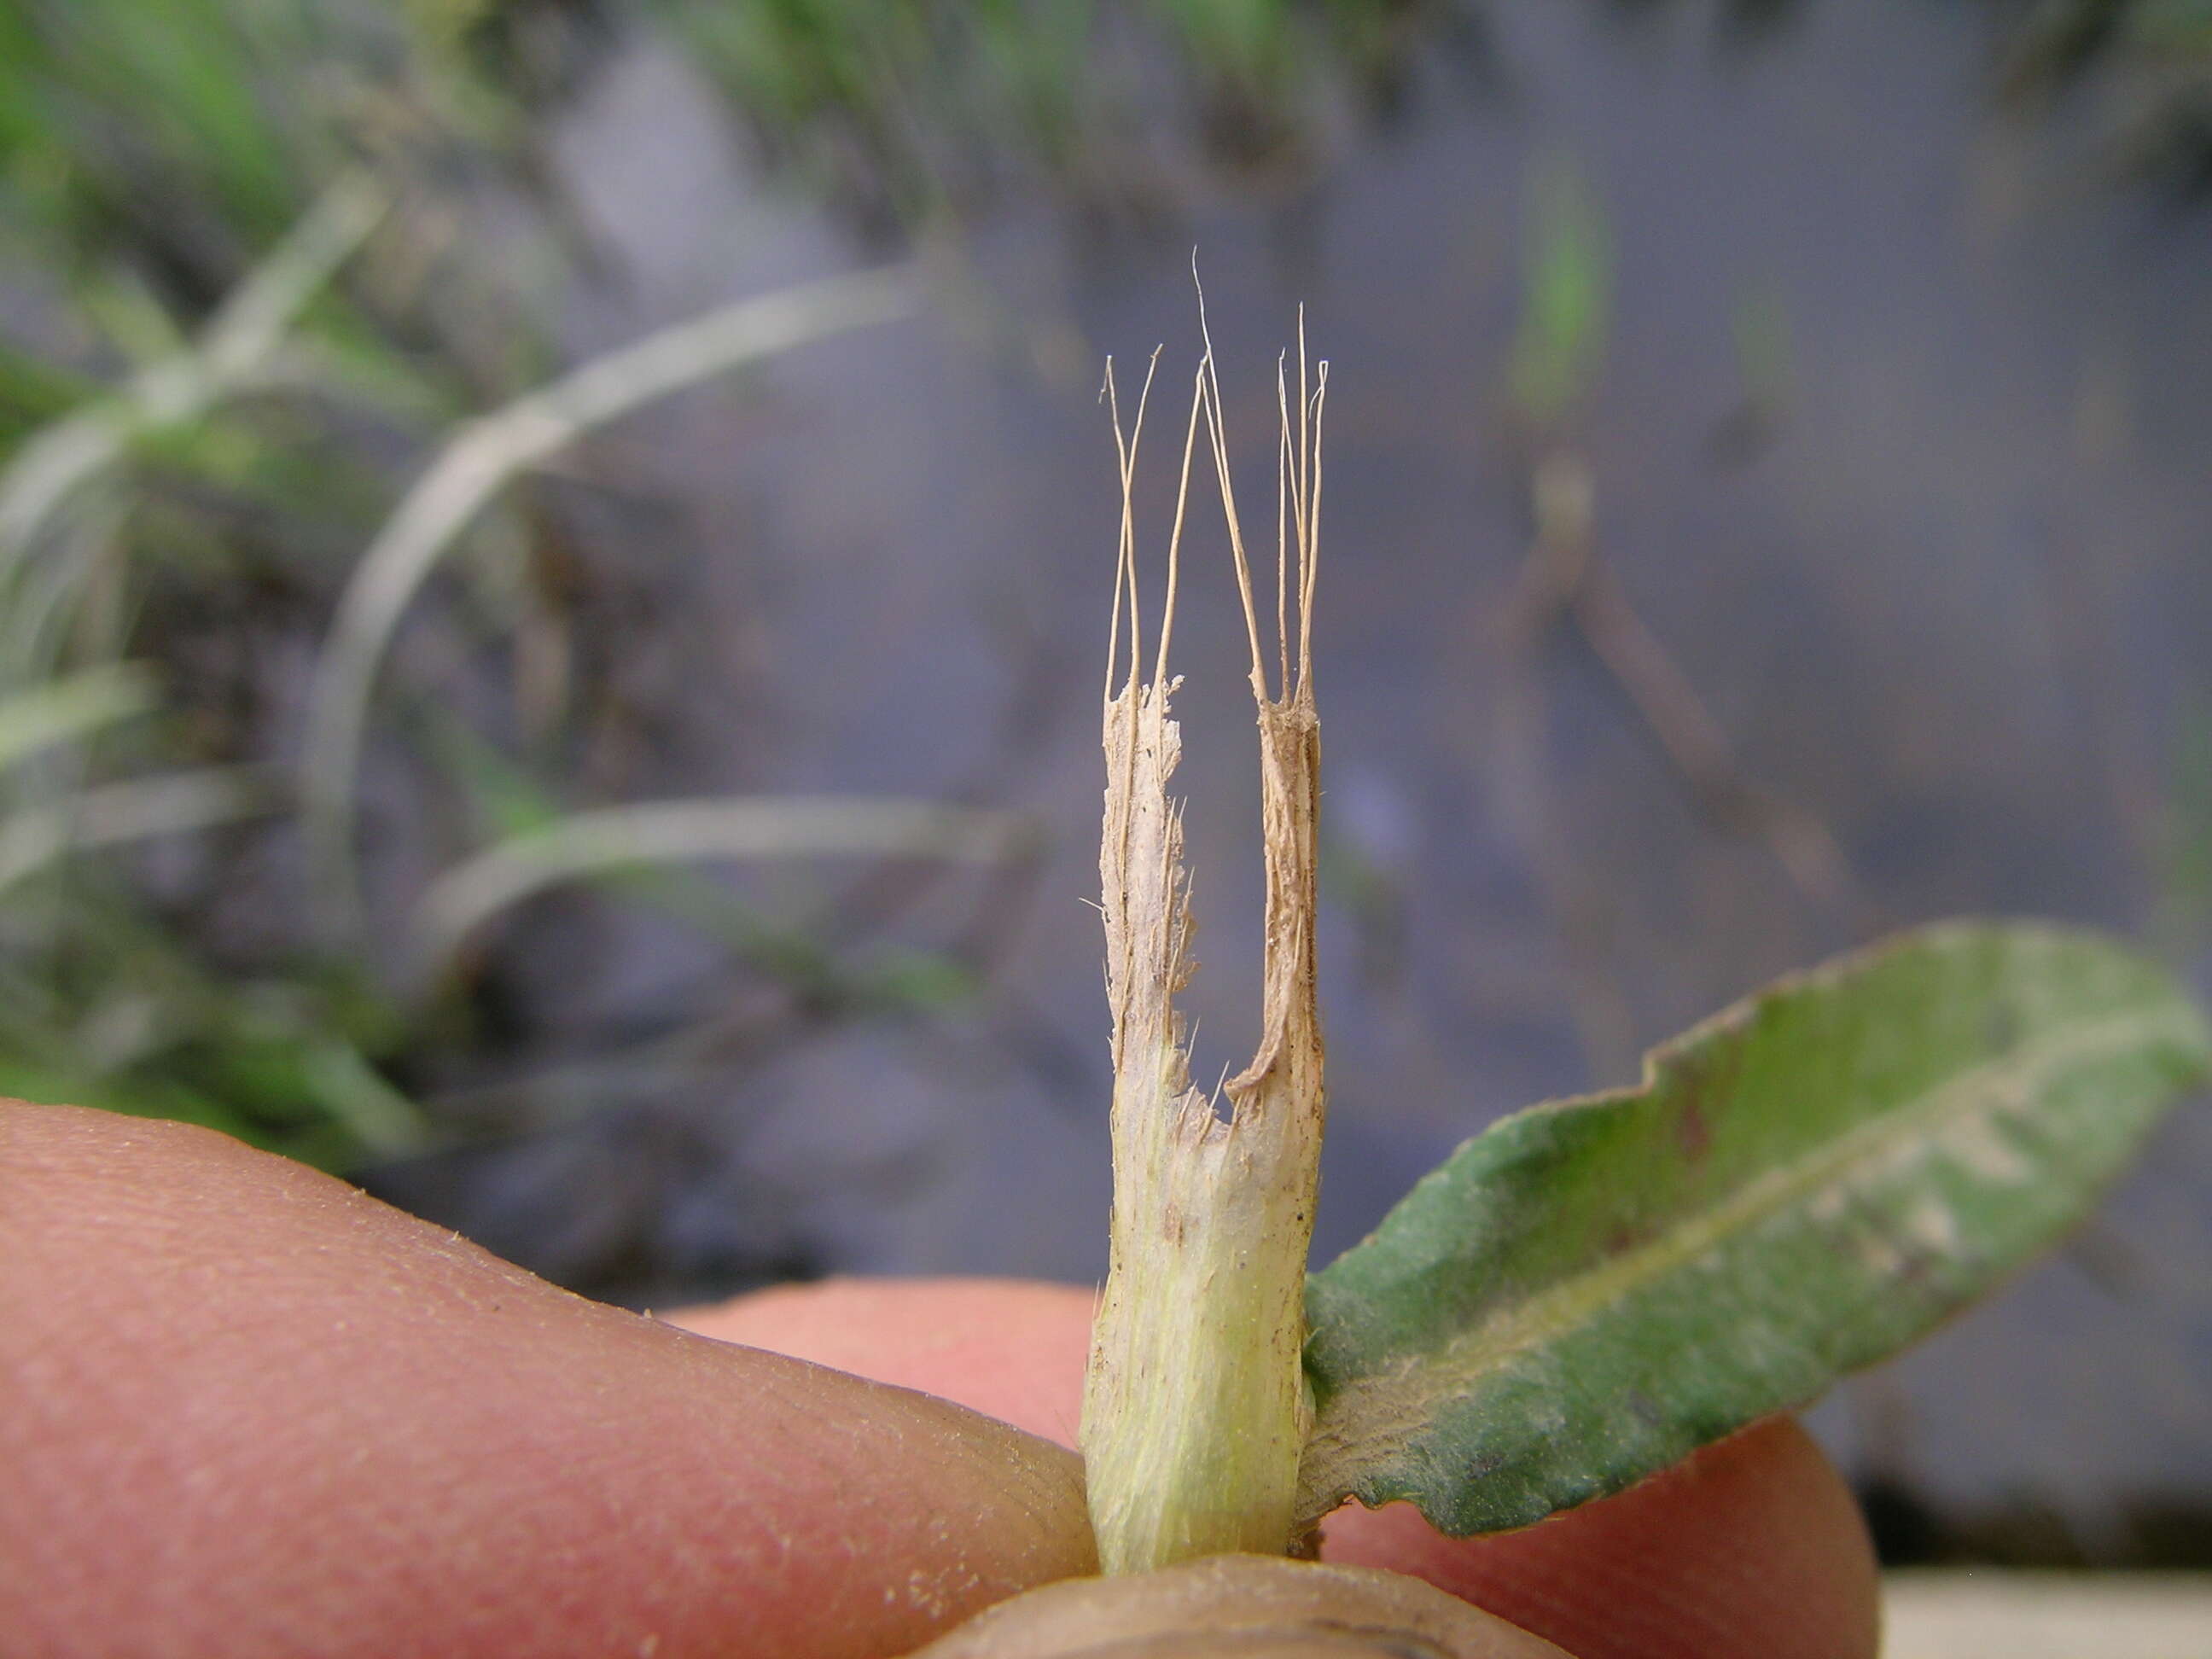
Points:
(1195, 1409)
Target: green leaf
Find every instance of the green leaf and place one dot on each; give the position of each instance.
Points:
(58, 711)
(1805, 1184)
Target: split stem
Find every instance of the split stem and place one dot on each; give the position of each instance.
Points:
(1196, 1410)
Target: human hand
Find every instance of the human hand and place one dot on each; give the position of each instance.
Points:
(1754, 1546)
(246, 1410)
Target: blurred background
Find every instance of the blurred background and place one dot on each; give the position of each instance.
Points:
(554, 558)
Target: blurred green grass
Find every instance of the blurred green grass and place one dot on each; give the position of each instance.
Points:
(244, 304)
(245, 299)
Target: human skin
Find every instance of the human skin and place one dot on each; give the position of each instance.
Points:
(1753, 1546)
(246, 1410)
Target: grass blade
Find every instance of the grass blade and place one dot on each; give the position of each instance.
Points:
(238, 344)
(115, 814)
(587, 844)
(60, 711)
(474, 467)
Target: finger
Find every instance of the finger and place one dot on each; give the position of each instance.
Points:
(1012, 1348)
(246, 1410)
(1251, 1606)
(1754, 1546)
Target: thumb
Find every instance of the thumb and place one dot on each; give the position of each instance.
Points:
(1252, 1606)
(247, 1410)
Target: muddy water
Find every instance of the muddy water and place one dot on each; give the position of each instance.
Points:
(1930, 551)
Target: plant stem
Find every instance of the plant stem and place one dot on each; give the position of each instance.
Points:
(1196, 1410)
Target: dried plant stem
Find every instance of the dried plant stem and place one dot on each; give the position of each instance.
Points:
(1196, 1410)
